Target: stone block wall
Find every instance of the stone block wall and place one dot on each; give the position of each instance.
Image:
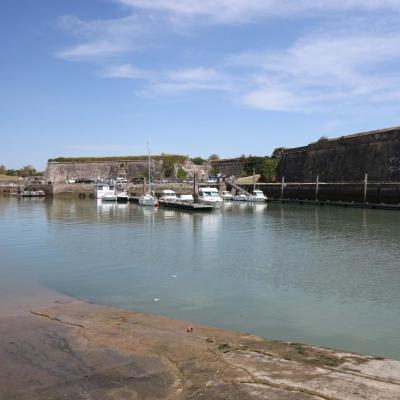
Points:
(345, 159)
(57, 172)
(229, 166)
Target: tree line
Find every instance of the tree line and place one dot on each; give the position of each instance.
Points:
(27, 170)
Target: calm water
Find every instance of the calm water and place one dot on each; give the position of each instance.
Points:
(325, 276)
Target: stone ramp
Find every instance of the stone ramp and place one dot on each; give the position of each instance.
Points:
(86, 351)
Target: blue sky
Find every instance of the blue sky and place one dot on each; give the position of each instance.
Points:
(103, 77)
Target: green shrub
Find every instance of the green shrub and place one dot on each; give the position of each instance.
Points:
(168, 171)
(181, 174)
(198, 160)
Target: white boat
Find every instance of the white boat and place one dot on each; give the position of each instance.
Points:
(148, 199)
(103, 189)
(109, 197)
(168, 195)
(257, 196)
(186, 198)
(122, 196)
(241, 197)
(210, 196)
(33, 193)
(226, 195)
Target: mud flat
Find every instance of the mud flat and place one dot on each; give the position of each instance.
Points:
(60, 348)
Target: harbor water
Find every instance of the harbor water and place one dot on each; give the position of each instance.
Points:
(318, 275)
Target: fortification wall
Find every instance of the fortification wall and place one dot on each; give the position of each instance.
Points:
(57, 172)
(345, 159)
(228, 167)
(377, 193)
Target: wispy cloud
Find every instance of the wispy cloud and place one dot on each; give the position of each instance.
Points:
(127, 71)
(315, 72)
(233, 11)
(103, 38)
(175, 81)
(333, 64)
(320, 69)
(91, 50)
(194, 79)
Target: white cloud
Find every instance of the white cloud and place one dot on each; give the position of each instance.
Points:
(127, 71)
(273, 98)
(194, 79)
(91, 50)
(175, 81)
(354, 63)
(104, 38)
(196, 75)
(233, 11)
(318, 70)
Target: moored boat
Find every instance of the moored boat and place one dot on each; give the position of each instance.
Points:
(186, 199)
(148, 198)
(226, 195)
(240, 197)
(103, 189)
(257, 196)
(210, 196)
(33, 193)
(122, 196)
(109, 197)
(168, 195)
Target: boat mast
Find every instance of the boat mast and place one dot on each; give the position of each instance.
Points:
(149, 172)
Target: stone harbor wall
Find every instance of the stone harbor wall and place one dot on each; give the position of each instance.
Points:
(57, 172)
(202, 171)
(228, 167)
(345, 159)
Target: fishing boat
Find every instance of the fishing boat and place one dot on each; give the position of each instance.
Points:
(210, 196)
(148, 198)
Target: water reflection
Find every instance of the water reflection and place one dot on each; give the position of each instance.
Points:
(111, 209)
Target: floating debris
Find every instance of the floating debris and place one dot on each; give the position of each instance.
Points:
(174, 276)
(156, 299)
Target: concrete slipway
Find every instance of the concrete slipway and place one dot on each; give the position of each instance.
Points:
(56, 348)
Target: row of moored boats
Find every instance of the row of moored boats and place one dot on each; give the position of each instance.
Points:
(207, 195)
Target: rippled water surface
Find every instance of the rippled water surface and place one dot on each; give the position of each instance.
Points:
(324, 276)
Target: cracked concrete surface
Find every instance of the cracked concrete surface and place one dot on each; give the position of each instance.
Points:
(75, 350)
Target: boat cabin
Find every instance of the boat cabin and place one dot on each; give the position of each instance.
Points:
(168, 195)
(103, 189)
